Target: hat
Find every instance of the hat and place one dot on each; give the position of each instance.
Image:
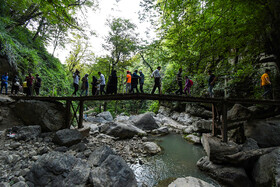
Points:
(127, 71)
(140, 71)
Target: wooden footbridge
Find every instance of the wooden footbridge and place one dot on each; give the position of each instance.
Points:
(219, 106)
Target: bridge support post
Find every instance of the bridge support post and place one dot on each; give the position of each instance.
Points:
(214, 122)
(68, 114)
(224, 122)
(81, 115)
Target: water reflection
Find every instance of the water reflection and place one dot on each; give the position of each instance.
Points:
(177, 160)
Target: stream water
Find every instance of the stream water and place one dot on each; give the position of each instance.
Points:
(178, 159)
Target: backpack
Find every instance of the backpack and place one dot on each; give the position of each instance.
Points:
(191, 82)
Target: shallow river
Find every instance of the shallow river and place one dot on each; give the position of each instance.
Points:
(178, 159)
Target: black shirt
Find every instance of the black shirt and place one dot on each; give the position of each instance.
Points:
(211, 78)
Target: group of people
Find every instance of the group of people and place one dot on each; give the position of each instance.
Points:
(132, 80)
(27, 85)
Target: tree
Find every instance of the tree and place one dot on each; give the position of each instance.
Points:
(121, 41)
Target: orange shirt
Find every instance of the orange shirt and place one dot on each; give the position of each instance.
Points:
(263, 78)
(128, 76)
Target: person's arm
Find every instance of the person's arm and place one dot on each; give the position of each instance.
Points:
(267, 79)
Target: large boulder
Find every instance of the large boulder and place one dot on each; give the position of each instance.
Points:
(266, 171)
(164, 111)
(203, 126)
(146, 122)
(168, 122)
(113, 172)
(230, 176)
(99, 155)
(26, 132)
(189, 182)
(185, 119)
(49, 115)
(120, 130)
(193, 138)
(106, 115)
(67, 137)
(151, 147)
(95, 119)
(58, 169)
(265, 132)
(217, 150)
(198, 110)
(239, 113)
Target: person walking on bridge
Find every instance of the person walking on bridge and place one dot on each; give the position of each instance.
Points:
(179, 82)
(4, 82)
(76, 77)
(142, 79)
(266, 84)
(102, 83)
(128, 82)
(157, 77)
(84, 85)
(37, 85)
(211, 83)
(134, 81)
(29, 81)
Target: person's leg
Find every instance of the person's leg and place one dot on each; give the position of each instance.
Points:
(181, 88)
(86, 91)
(211, 91)
(6, 89)
(13, 89)
(16, 89)
(102, 89)
(154, 89)
(141, 87)
(36, 90)
(136, 86)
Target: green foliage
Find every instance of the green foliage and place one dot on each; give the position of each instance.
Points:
(154, 107)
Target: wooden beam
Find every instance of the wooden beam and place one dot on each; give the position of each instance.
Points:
(68, 114)
(81, 114)
(224, 122)
(214, 117)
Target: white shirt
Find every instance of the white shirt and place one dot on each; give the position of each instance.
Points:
(156, 74)
(102, 79)
(76, 79)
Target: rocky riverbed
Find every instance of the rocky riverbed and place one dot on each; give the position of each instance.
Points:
(39, 151)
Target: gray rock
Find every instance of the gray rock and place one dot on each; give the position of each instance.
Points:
(203, 126)
(122, 118)
(67, 137)
(151, 147)
(230, 176)
(80, 147)
(184, 118)
(266, 171)
(120, 130)
(113, 172)
(99, 155)
(146, 122)
(193, 138)
(161, 131)
(20, 184)
(58, 169)
(4, 184)
(198, 110)
(96, 119)
(189, 129)
(239, 113)
(164, 111)
(26, 132)
(258, 128)
(250, 144)
(189, 182)
(106, 115)
(217, 150)
(49, 115)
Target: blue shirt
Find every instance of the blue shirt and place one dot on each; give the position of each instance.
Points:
(4, 79)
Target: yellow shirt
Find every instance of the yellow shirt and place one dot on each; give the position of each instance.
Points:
(264, 79)
(24, 84)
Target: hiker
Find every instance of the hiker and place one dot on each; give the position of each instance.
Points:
(266, 84)
(134, 82)
(4, 83)
(188, 84)
(94, 85)
(76, 77)
(142, 78)
(102, 83)
(128, 82)
(112, 83)
(179, 80)
(29, 81)
(211, 83)
(157, 77)
(24, 85)
(15, 85)
(37, 85)
(84, 85)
